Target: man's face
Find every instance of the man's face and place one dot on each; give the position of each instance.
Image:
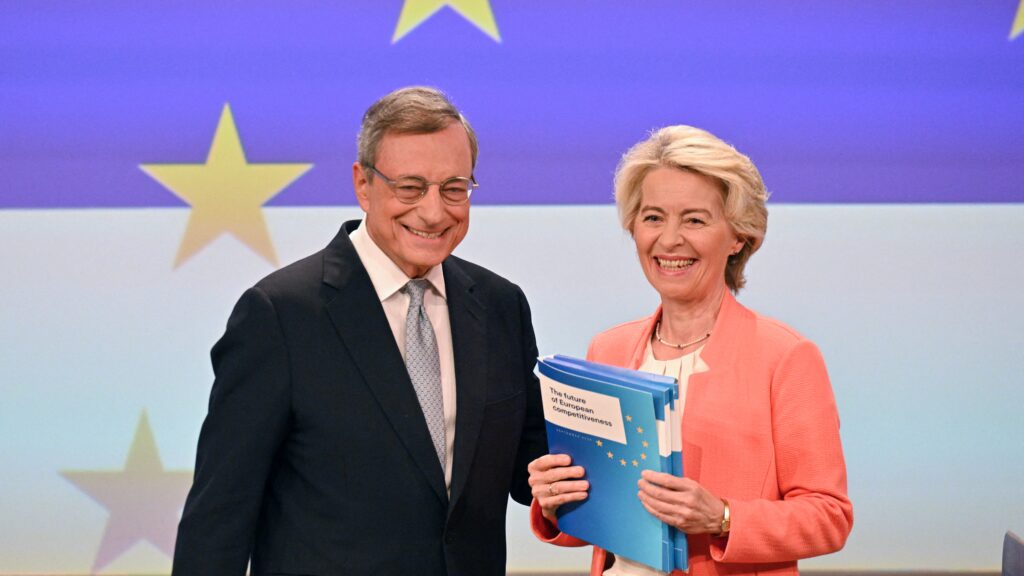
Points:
(416, 236)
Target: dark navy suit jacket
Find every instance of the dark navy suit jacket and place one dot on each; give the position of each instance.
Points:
(315, 457)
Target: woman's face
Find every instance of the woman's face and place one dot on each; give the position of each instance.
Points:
(682, 237)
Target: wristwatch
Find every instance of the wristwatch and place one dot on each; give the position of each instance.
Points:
(724, 528)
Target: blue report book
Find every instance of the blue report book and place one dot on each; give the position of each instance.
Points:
(665, 389)
(615, 422)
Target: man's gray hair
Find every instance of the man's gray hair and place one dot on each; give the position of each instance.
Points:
(411, 110)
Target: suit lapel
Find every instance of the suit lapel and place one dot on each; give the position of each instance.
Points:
(363, 327)
(469, 340)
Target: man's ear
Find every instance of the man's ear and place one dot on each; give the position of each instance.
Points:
(361, 186)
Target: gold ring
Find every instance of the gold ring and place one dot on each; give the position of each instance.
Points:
(552, 491)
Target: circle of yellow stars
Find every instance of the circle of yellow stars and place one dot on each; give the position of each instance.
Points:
(622, 461)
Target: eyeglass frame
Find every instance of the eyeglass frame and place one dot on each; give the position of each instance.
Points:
(393, 184)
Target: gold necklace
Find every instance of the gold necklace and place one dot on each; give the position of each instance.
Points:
(657, 334)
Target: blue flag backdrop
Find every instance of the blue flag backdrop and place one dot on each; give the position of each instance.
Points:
(158, 158)
(850, 102)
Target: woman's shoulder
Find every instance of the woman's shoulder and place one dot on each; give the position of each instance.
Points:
(774, 334)
(616, 344)
(632, 329)
(777, 330)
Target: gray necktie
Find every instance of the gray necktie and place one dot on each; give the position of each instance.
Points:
(424, 364)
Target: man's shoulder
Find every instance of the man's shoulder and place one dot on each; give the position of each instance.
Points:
(309, 273)
(299, 275)
(477, 275)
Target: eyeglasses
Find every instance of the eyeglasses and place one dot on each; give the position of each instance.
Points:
(409, 189)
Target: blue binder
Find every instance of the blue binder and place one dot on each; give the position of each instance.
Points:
(615, 422)
(659, 385)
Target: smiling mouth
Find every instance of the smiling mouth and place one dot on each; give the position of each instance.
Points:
(674, 263)
(426, 235)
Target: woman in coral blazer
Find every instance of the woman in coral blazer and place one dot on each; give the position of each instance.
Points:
(765, 479)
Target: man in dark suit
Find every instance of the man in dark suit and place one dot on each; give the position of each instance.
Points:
(374, 404)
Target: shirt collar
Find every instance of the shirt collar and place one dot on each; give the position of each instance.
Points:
(387, 278)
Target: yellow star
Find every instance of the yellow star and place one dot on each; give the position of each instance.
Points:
(629, 418)
(226, 193)
(645, 443)
(610, 455)
(639, 430)
(643, 456)
(415, 12)
(635, 463)
(143, 499)
(623, 462)
(1018, 22)
(599, 443)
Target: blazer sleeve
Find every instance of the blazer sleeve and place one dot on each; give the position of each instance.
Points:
(533, 442)
(246, 423)
(546, 530)
(815, 515)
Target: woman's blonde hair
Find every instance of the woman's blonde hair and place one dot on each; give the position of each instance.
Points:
(695, 150)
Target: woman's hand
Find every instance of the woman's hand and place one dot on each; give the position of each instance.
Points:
(552, 479)
(681, 502)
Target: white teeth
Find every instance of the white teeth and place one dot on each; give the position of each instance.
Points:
(429, 236)
(675, 264)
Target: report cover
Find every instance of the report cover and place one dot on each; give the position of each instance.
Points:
(665, 390)
(615, 423)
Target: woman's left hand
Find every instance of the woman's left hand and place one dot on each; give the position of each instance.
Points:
(681, 502)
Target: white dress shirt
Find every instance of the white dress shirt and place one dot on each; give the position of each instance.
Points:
(388, 281)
